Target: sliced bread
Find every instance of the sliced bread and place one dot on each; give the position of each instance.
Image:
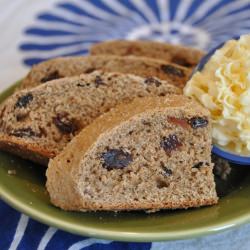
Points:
(71, 66)
(184, 56)
(37, 123)
(150, 154)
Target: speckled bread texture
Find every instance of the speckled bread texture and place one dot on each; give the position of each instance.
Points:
(72, 66)
(37, 123)
(150, 154)
(185, 56)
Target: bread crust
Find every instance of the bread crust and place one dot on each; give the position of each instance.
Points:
(184, 56)
(149, 207)
(25, 150)
(72, 66)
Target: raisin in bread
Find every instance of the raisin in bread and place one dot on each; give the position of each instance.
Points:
(37, 123)
(72, 66)
(150, 154)
(184, 56)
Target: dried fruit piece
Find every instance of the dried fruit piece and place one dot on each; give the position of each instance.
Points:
(21, 116)
(152, 80)
(198, 165)
(170, 143)
(166, 171)
(198, 122)
(64, 124)
(161, 184)
(98, 81)
(178, 121)
(181, 61)
(83, 84)
(24, 100)
(51, 76)
(43, 131)
(170, 69)
(80, 85)
(146, 123)
(116, 159)
(24, 132)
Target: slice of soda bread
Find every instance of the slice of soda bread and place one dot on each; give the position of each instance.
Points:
(150, 154)
(184, 56)
(37, 123)
(71, 66)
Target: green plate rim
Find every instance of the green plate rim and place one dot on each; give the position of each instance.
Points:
(120, 236)
(38, 215)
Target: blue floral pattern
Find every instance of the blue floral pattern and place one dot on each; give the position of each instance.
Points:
(72, 26)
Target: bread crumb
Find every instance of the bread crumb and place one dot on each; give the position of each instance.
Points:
(34, 190)
(222, 167)
(11, 172)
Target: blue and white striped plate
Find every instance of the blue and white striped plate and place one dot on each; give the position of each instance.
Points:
(72, 26)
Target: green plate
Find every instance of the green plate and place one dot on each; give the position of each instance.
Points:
(22, 186)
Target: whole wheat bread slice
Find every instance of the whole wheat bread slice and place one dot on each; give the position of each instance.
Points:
(150, 154)
(37, 123)
(184, 56)
(72, 66)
